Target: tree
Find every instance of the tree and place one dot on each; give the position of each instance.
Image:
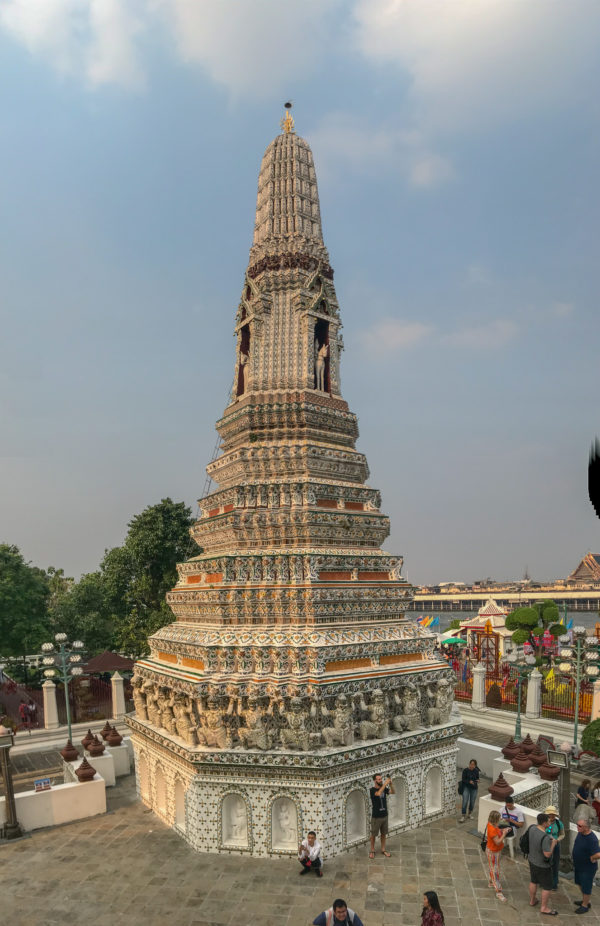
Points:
(24, 593)
(590, 739)
(80, 609)
(455, 624)
(137, 576)
(529, 624)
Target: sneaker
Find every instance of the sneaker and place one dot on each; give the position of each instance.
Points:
(582, 909)
(579, 904)
(462, 819)
(501, 897)
(470, 816)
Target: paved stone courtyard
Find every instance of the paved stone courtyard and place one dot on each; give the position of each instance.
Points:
(128, 867)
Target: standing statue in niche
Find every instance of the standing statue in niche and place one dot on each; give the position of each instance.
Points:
(321, 354)
(244, 373)
(165, 703)
(399, 720)
(235, 808)
(152, 703)
(440, 702)
(286, 822)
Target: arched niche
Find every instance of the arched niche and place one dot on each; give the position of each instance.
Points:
(144, 779)
(397, 802)
(356, 817)
(243, 360)
(322, 356)
(284, 824)
(160, 790)
(234, 821)
(433, 790)
(179, 804)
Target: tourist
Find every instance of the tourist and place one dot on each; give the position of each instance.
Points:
(541, 847)
(585, 812)
(555, 829)
(32, 711)
(309, 855)
(512, 819)
(339, 914)
(583, 793)
(431, 914)
(596, 799)
(494, 846)
(470, 779)
(24, 714)
(379, 812)
(586, 852)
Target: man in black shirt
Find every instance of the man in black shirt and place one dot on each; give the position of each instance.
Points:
(379, 814)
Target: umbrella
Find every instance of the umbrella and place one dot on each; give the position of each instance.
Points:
(453, 640)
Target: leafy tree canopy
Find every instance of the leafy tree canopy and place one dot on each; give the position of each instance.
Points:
(590, 739)
(530, 623)
(455, 624)
(24, 592)
(137, 576)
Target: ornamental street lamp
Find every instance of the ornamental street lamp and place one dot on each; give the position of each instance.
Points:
(581, 658)
(523, 668)
(11, 828)
(63, 657)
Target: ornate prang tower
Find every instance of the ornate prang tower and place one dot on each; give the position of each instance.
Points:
(290, 674)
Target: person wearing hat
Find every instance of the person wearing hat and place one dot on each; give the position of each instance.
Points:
(555, 829)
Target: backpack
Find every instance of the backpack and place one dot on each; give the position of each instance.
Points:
(524, 842)
(329, 916)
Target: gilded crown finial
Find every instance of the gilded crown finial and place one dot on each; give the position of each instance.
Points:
(287, 123)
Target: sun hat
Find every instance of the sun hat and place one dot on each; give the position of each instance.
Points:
(552, 809)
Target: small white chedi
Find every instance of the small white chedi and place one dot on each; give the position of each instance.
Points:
(290, 673)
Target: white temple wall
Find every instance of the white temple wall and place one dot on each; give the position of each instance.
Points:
(267, 814)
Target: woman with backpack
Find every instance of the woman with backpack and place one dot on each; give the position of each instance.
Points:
(494, 846)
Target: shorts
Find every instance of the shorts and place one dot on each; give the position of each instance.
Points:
(379, 826)
(541, 876)
(585, 880)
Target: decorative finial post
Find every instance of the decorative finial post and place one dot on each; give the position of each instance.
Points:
(287, 123)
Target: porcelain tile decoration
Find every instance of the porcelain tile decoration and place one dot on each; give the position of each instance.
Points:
(290, 673)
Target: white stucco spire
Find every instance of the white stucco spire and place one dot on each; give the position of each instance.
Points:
(287, 204)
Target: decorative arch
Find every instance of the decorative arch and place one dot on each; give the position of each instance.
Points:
(433, 782)
(235, 827)
(144, 778)
(160, 791)
(355, 816)
(283, 829)
(179, 803)
(397, 803)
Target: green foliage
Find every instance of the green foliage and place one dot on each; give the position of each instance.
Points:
(137, 576)
(24, 593)
(529, 623)
(82, 612)
(590, 738)
(455, 624)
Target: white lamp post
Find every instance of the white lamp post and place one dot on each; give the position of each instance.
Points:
(523, 669)
(63, 657)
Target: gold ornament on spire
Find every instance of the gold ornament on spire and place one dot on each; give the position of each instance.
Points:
(287, 123)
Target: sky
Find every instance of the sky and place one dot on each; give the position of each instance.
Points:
(456, 144)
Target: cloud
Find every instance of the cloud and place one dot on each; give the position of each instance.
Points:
(392, 334)
(257, 47)
(343, 139)
(253, 47)
(474, 63)
(492, 334)
(92, 39)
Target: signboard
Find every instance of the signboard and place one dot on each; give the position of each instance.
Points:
(42, 784)
(558, 758)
